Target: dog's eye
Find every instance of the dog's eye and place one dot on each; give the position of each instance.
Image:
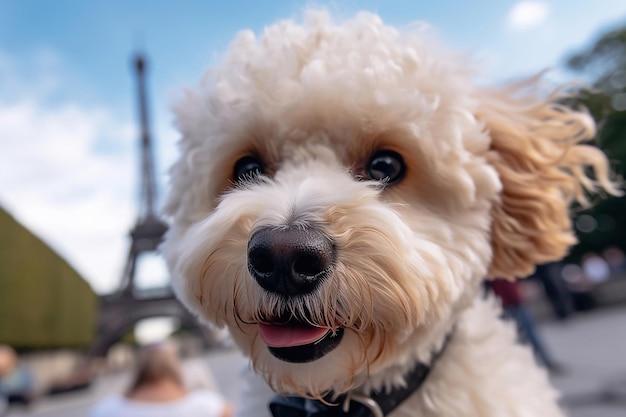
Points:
(387, 166)
(247, 168)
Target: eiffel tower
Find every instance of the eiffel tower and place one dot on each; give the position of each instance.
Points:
(121, 310)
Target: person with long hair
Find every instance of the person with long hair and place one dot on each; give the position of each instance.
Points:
(157, 390)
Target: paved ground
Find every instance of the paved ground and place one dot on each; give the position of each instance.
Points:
(592, 348)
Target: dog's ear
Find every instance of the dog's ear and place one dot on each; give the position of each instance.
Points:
(536, 147)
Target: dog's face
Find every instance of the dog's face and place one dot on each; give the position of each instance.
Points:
(339, 197)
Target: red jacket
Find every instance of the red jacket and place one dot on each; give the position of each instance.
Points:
(508, 291)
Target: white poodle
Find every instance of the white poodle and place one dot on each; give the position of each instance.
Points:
(344, 189)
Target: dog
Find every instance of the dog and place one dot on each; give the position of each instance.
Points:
(343, 190)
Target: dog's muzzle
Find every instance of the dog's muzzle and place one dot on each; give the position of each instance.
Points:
(290, 261)
(293, 262)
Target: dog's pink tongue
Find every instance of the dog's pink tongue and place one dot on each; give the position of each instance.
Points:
(275, 335)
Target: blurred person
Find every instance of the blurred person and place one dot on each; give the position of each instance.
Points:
(555, 290)
(515, 308)
(579, 287)
(157, 390)
(615, 258)
(596, 269)
(17, 383)
(7, 360)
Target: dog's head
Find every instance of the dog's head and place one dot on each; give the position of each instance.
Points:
(343, 189)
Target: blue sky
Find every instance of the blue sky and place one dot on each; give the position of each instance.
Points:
(68, 163)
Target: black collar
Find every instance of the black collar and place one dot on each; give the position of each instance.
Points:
(378, 404)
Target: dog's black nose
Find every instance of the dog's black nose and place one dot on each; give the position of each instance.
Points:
(290, 261)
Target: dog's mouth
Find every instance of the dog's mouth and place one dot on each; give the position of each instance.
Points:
(299, 342)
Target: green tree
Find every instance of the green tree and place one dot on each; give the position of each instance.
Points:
(605, 63)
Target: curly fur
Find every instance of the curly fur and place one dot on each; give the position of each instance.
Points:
(537, 151)
(490, 176)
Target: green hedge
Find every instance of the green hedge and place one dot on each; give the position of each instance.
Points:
(44, 303)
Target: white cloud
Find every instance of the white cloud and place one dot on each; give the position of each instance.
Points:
(527, 14)
(56, 179)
